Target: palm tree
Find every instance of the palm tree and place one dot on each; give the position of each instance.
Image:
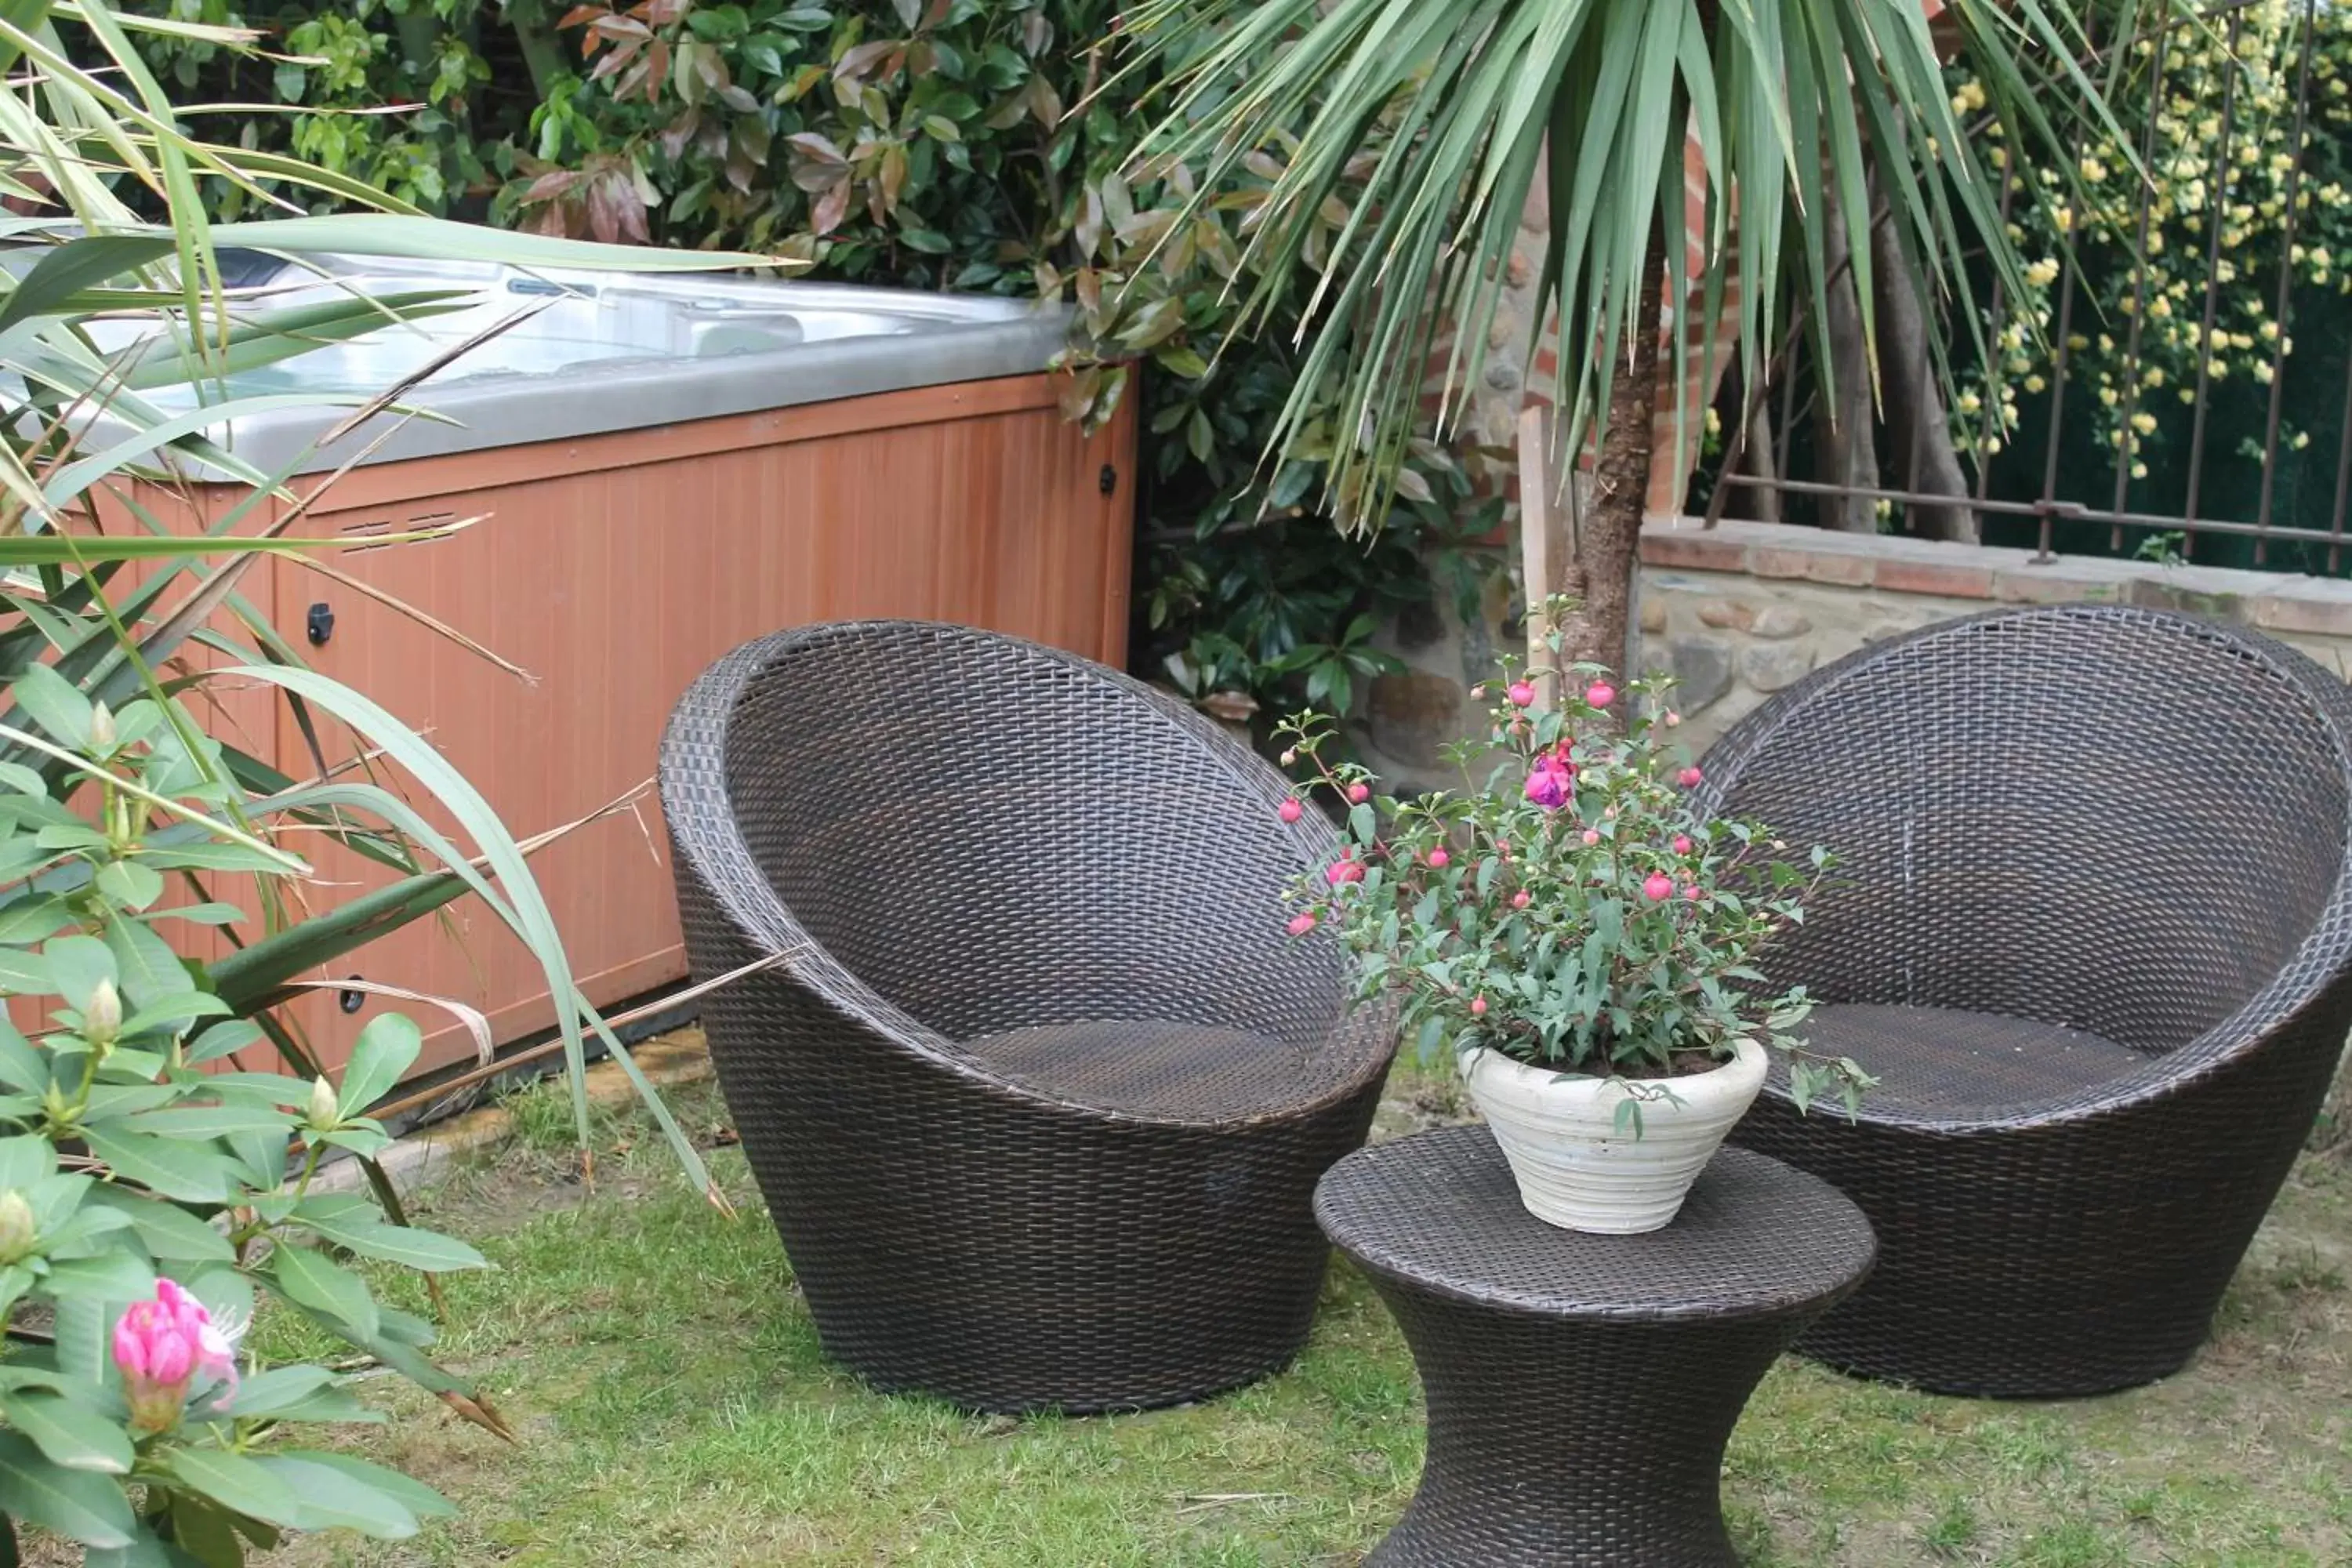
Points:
(1429, 120)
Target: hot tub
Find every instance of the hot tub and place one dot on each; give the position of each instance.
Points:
(668, 466)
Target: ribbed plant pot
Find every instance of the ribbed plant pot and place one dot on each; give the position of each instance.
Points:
(1577, 1169)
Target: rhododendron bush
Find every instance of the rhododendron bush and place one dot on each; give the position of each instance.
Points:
(1575, 911)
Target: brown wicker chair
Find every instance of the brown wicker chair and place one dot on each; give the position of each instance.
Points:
(1040, 1102)
(2091, 928)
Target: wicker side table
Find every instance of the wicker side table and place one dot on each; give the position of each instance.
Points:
(1580, 1388)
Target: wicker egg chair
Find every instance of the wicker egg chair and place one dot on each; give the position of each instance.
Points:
(1039, 1100)
(2090, 926)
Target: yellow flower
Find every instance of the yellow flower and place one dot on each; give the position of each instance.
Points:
(2155, 376)
(2093, 170)
(2262, 371)
(2035, 383)
(2139, 470)
(1971, 403)
(2042, 273)
(2143, 422)
(2302, 439)
(2270, 332)
(2108, 396)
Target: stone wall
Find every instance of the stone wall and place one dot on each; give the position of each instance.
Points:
(1742, 610)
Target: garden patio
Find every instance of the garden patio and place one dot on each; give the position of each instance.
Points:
(701, 1426)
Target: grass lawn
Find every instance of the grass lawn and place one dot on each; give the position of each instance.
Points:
(673, 1409)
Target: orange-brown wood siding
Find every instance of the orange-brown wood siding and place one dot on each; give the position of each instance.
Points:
(614, 569)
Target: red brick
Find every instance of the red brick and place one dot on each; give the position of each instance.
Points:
(1950, 579)
(1692, 550)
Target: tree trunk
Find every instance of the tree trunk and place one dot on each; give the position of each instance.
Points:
(1609, 533)
(1843, 450)
(1919, 432)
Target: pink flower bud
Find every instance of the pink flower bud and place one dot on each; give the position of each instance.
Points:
(1520, 900)
(1359, 792)
(1657, 886)
(1438, 858)
(1682, 843)
(1478, 1006)
(1300, 924)
(1290, 757)
(1292, 811)
(1688, 778)
(1690, 892)
(1591, 836)
(1522, 694)
(1673, 719)
(1601, 694)
(1343, 871)
(160, 1346)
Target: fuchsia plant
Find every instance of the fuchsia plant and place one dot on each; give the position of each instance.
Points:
(1575, 913)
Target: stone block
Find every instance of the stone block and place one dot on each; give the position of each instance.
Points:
(1653, 612)
(1778, 623)
(1411, 716)
(1693, 549)
(1952, 580)
(1702, 671)
(1769, 666)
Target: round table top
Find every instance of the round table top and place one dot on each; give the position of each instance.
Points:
(1440, 1212)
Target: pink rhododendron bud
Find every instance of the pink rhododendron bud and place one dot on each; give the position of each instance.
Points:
(1682, 843)
(1359, 792)
(160, 1346)
(1292, 811)
(1658, 885)
(1591, 836)
(1601, 694)
(1522, 694)
(1688, 778)
(1548, 786)
(1300, 924)
(1520, 900)
(1439, 859)
(1478, 1006)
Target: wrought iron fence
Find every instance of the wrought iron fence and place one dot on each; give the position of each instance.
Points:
(2074, 463)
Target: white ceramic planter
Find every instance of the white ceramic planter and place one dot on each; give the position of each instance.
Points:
(1576, 1170)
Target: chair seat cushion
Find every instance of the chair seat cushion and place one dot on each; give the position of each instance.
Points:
(1938, 1060)
(1180, 1071)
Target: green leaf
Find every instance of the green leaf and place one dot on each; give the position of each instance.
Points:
(279, 1388)
(196, 1173)
(210, 1121)
(78, 964)
(54, 703)
(420, 1249)
(90, 1509)
(68, 1434)
(49, 286)
(115, 1276)
(238, 1483)
(413, 1495)
(147, 968)
(26, 1159)
(331, 1497)
(312, 1280)
(171, 1234)
(384, 1050)
(128, 885)
(21, 1066)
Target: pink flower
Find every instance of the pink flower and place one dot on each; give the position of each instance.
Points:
(1657, 886)
(1591, 836)
(1548, 786)
(1522, 694)
(1345, 869)
(1688, 778)
(1690, 892)
(1438, 859)
(1673, 719)
(1682, 843)
(1478, 1006)
(1601, 694)
(1291, 811)
(1359, 792)
(161, 1345)
(1300, 924)
(1520, 900)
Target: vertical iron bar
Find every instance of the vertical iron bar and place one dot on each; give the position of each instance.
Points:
(2283, 316)
(2217, 205)
(2343, 476)
(2130, 449)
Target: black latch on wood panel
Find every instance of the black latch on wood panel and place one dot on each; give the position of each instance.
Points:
(320, 625)
(1108, 480)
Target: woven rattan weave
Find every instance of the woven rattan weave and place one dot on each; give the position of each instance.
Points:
(2091, 926)
(1580, 1388)
(1039, 1103)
